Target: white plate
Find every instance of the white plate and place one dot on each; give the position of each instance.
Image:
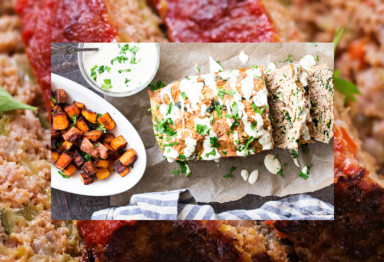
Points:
(114, 184)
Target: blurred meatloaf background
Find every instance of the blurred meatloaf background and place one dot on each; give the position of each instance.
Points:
(357, 234)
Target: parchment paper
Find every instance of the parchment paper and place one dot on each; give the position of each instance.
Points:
(207, 183)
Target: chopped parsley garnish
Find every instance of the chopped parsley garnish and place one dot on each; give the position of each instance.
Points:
(53, 100)
(281, 173)
(107, 84)
(228, 116)
(133, 60)
(98, 115)
(294, 154)
(218, 111)
(163, 127)
(94, 73)
(304, 149)
(223, 92)
(101, 127)
(214, 142)
(124, 70)
(313, 44)
(224, 152)
(182, 156)
(127, 80)
(183, 168)
(176, 172)
(250, 140)
(307, 173)
(62, 174)
(119, 59)
(211, 119)
(197, 67)
(87, 157)
(253, 125)
(212, 153)
(288, 118)
(104, 68)
(96, 145)
(316, 58)
(157, 86)
(171, 144)
(183, 95)
(74, 118)
(288, 59)
(169, 109)
(257, 110)
(202, 129)
(236, 123)
(230, 172)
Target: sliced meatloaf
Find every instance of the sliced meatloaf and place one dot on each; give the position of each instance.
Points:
(204, 241)
(209, 116)
(320, 81)
(290, 106)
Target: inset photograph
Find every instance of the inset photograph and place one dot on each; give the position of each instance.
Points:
(165, 131)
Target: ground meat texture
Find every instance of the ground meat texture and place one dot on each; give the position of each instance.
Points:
(185, 241)
(217, 21)
(320, 80)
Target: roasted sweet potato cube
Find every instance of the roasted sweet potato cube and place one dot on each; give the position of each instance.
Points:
(89, 115)
(72, 110)
(54, 156)
(69, 170)
(125, 172)
(60, 96)
(107, 121)
(52, 104)
(108, 147)
(73, 135)
(101, 163)
(86, 179)
(102, 173)
(89, 148)
(110, 164)
(89, 168)
(60, 121)
(82, 124)
(129, 157)
(60, 148)
(119, 167)
(81, 106)
(103, 151)
(118, 143)
(57, 109)
(64, 160)
(54, 134)
(67, 145)
(108, 137)
(78, 159)
(93, 135)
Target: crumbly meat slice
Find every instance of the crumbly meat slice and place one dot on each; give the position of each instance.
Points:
(173, 241)
(357, 234)
(209, 116)
(321, 92)
(289, 105)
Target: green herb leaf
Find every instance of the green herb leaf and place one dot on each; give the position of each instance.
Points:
(183, 95)
(172, 144)
(62, 174)
(316, 58)
(202, 129)
(101, 127)
(169, 109)
(197, 67)
(87, 157)
(236, 123)
(313, 44)
(158, 85)
(294, 154)
(119, 59)
(8, 103)
(306, 174)
(176, 172)
(347, 88)
(212, 153)
(53, 100)
(230, 172)
(281, 173)
(223, 92)
(250, 140)
(218, 111)
(107, 84)
(214, 142)
(337, 37)
(96, 145)
(253, 125)
(74, 118)
(124, 70)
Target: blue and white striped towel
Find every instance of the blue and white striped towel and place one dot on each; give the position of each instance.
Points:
(180, 204)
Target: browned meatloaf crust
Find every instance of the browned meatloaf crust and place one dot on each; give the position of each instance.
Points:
(175, 241)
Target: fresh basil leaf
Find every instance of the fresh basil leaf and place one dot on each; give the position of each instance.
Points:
(8, 103)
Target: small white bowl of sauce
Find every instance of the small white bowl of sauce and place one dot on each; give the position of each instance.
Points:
(119, 69)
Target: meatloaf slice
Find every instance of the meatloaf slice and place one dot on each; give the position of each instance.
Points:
(320, 81)
(290, 106)
(187, 241)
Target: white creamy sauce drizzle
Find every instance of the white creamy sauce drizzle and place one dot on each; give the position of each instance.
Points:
(140, 73)
(190, 146)
(214, 66)
(208, 148)
(307, 62)
(166, 91)
(248, 83)
(271, 67)
(243, 57)
(171, 154)
(174, 114)
(192, 90)
(231, 77)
